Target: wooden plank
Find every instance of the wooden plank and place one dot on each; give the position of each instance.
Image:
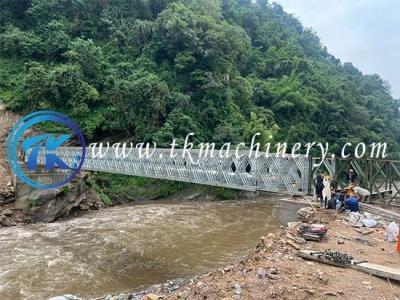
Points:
(375, 193)
(378, 270)
(372, 269)
(313, 255)
(364, 231)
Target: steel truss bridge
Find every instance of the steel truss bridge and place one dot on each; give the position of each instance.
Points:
(290, 175)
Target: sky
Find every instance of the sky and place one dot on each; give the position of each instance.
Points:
(364, 32)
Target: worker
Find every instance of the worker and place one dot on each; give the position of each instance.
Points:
(351, 176)
(362, 193)
(349, 191)
(327, 191)
(352, 203)
(332, 202)
(319, 185)
(341, 198)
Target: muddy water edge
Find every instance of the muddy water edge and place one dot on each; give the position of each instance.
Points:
(129, 247)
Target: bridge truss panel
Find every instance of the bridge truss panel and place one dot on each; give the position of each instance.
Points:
(274, 174)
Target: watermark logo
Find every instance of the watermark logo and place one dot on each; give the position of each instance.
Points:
(42, 149)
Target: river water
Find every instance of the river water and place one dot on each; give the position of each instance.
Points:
(128, 247)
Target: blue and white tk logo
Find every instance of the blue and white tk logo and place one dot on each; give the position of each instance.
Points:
(42, 149)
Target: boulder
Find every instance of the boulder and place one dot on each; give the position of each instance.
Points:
(7, 193)
(84, 206)
(261, 273)
(71, 297)
(65, 297)
(3, 220)
(192, 196)
(123, 296)
(293, 245)
(306, 214)
(265, 242)
(293, 225)
(47, 206)
(238, 289)
(9, 198)
(8, 212)
(150, 297)
(183, 295)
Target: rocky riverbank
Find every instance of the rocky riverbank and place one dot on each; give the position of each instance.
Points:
(275, 271)
(42, 206)
(8, 216)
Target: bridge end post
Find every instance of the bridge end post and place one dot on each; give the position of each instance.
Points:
(310, 177)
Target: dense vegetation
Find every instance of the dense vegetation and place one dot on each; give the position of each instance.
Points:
(156, 69)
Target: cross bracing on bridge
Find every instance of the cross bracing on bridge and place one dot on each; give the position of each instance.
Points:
(275, 174)
(380, 176)
(293, 175)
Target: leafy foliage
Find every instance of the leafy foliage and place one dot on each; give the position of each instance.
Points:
(119, 188)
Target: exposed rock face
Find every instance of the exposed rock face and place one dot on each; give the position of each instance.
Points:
(49, 205)
(7, 192)
(6, 186)
(3, 219)
(6, 222)
(40, 197)
(6, 196)
(8, 212)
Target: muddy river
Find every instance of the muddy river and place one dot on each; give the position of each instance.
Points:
(128, 247)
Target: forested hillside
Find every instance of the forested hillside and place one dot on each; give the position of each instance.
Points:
(157, 69)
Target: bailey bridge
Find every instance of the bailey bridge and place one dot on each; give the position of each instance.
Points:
(289, 175)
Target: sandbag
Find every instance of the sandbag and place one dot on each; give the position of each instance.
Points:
(370, 223)
(355, 219)
(392, 232)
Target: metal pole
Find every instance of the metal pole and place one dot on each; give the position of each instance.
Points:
(310, 176)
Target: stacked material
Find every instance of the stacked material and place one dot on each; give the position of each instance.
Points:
(313, 232)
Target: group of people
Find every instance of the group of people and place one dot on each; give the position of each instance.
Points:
(345, 199)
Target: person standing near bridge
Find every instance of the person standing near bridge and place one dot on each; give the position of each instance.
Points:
(351, 176)
(326, 191)
(319, 186)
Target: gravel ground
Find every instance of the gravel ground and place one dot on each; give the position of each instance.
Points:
(276, 271)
